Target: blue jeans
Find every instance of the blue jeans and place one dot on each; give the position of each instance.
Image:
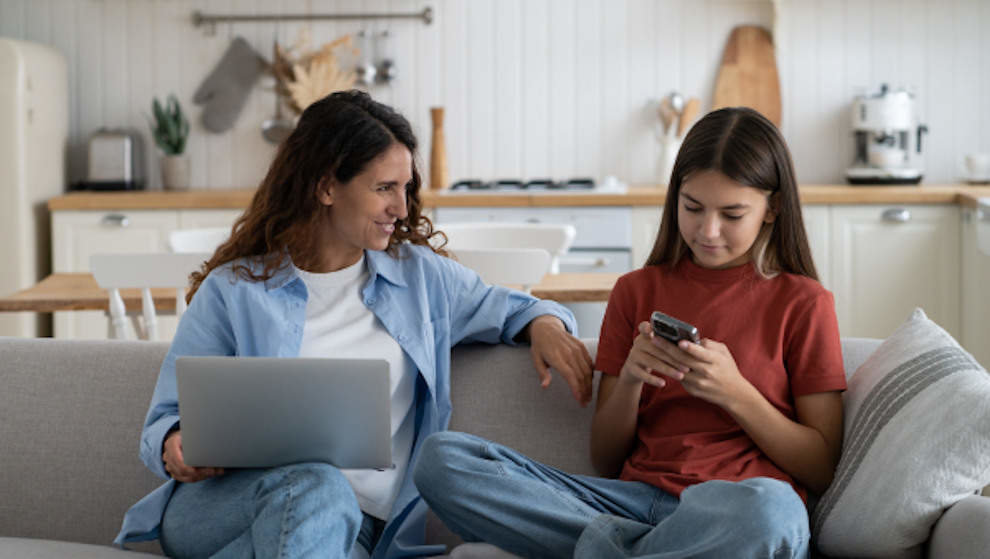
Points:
(300, 510)
(486, 492)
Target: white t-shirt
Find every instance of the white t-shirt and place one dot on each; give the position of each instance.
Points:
(339, 325)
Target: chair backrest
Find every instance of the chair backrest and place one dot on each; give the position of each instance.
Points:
(145, 271)
(206, 239)
(522, 267)
(553, 238)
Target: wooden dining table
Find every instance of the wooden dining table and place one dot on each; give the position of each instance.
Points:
(79, 292)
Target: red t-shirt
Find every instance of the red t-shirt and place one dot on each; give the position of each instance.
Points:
(782, 333)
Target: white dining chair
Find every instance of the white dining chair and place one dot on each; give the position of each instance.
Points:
(517, 267)
(206, 239)
(145, 271)
(554, 238)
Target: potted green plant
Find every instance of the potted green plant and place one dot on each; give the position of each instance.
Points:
(170, 129)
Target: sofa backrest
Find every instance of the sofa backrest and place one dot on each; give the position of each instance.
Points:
(70, 423)
(71, 415)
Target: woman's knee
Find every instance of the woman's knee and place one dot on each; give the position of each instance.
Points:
(311, 480)
(441, 458)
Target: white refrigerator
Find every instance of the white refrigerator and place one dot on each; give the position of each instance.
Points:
(34, 126)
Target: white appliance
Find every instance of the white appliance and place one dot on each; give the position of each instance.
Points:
(34, 127)
(888, 139)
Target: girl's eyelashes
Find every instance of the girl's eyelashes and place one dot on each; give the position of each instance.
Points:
(692, 209)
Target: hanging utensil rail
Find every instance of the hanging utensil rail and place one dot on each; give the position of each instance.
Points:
(210, 20)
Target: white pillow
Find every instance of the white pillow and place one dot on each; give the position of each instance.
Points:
(917, 440)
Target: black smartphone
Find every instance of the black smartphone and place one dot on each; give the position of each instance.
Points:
(674, 330)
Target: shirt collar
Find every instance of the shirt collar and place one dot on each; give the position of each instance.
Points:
(379, 263)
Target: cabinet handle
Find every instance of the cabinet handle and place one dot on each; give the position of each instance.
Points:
(115, 220)
(897, 215)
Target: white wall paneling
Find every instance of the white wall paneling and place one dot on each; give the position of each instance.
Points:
(536, 88)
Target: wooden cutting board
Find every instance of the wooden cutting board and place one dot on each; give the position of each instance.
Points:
(748, 74)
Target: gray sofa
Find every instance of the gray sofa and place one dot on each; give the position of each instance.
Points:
(71, 411)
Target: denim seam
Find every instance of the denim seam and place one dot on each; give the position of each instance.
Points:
(287, 516)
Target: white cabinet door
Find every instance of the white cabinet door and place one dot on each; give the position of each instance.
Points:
(201, 219)
(817, 224)
(645, 226)
(77, 235)
(887, 260)
(976, 285)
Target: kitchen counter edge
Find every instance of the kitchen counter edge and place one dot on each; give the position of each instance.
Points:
(638, 195)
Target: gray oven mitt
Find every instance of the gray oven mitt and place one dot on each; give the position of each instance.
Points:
(224, 92)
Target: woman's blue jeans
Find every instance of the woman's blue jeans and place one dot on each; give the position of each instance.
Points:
(300, 510)
(487, 492)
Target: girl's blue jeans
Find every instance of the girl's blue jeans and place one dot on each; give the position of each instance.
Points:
(301, 510)
(484, 491)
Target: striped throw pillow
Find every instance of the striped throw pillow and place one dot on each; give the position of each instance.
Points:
(917, 440)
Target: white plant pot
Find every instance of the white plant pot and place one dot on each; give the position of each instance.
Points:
(175, 172)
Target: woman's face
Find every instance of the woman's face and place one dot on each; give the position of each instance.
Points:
(719, 218)
(364, 211)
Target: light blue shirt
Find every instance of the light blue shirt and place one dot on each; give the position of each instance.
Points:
(427, 303)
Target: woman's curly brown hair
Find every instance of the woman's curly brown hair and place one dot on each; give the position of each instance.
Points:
(336, 138)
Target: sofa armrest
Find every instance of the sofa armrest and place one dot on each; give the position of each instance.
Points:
(962, 530)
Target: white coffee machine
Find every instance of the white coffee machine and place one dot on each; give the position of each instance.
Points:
(888, 139)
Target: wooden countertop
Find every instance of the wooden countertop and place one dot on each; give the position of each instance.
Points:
(638, 195)
(75, 292)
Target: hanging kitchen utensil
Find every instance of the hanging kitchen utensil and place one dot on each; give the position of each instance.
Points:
(385, 69)
(748, 74)
(366, 69)
(277, 128)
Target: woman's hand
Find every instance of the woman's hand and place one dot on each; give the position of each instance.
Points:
(551, 345)
(176, 466)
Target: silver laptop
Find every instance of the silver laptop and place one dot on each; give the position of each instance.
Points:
(260, 412)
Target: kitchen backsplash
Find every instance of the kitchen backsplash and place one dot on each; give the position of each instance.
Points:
(536, 88)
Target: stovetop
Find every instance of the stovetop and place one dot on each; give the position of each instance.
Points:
(521, 186)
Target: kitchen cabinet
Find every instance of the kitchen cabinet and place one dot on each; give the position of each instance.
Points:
(976, 283)
(817, 225)
(645, 226)
(77, 235)
(887, 260)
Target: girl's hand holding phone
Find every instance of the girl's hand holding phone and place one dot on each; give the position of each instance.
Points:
(712, 373)
(649, 361)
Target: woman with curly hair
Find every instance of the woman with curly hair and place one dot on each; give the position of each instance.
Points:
(333, 258)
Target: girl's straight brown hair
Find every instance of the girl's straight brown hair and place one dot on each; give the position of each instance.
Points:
(744, 146)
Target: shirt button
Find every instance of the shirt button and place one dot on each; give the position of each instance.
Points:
(401, 337)
(370, 301)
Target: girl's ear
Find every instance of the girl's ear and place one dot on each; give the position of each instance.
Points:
(324, 191)
(772, 209)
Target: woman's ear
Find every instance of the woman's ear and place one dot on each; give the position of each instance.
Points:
(324, 191)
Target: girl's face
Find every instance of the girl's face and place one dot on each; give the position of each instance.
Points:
(364, 211)
(719, 218)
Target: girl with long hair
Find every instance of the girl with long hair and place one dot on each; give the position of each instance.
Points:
(333, 259)
(715, 443)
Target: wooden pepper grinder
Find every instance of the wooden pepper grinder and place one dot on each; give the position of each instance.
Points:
(439, 178)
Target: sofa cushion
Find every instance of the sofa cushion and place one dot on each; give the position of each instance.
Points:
(915, 442)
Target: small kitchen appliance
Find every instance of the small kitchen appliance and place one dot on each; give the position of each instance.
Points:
(888, 139)
(116, 158)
